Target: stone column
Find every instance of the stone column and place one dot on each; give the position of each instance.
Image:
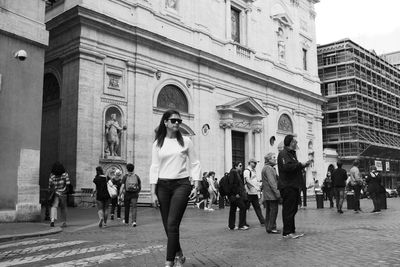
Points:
(228, 19)
(256, 127)
(227, 126)
(251, 144)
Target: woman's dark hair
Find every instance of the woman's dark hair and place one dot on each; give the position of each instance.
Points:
(211, 173)
(99, 170)
(236, 163)
(130, 167)
(57, 168)
(162, 130)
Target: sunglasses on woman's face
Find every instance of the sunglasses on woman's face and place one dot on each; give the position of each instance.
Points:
(173, 121)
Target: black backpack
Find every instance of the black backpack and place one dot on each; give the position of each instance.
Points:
(224, 185)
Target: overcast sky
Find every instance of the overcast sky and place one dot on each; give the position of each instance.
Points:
(373, 24)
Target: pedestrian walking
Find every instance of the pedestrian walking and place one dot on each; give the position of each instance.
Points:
(237, 197)
(375, 188)
(339, 178)
(173, 161)
(356, 182)
(103, 198)
(253, 188)
(327, 187)
(212, 191)
(130, 189)
(290, 182)
(271, 193)
(203, 192)
(58, 182)
(115, 202)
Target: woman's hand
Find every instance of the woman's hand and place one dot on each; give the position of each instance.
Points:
(193, 193)
(154, 201)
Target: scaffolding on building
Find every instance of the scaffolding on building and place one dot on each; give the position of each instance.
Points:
(362, 113)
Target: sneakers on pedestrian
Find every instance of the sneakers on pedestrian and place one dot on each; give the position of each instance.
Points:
(118, 218)
(376, 211)
(208, 209)
(273, 232)
(112, 217)
(299, 234)
(134, 224)
(104, 225)
(179, 261)
(292, 236)
(244, 227)
(51, 224)
(101, 223)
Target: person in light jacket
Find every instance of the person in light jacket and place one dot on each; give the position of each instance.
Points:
(271, 193)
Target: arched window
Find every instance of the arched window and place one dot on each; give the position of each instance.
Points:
(51, 88)
(171, 97)
(285, 124)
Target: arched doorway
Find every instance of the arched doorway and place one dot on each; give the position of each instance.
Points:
(49, 145)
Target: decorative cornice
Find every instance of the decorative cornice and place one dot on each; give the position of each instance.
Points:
(300, 113)
(114, 101)
(271, 105)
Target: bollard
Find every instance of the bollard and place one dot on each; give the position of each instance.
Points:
(319, 197)
(350, 200)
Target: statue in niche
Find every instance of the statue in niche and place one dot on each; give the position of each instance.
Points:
(171, 3)
(281, 44)
(113, 136)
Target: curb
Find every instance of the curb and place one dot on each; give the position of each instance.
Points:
(5, 238)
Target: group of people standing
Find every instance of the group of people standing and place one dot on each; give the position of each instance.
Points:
(174, 160)
(337, 180)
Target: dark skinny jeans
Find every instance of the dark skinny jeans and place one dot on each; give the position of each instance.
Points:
(173, 196)
(234, 204)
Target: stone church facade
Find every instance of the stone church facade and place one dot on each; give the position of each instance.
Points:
(243, 74)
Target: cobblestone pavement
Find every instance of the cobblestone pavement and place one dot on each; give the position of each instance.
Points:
(330, 239)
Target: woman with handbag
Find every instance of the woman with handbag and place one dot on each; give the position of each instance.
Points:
(58, 182)
(103, 198)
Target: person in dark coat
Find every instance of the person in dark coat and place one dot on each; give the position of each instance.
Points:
(290, 182)
(237, 196)
(339, 177)
(374, 187)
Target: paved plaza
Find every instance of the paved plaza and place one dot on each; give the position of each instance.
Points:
(330, 239)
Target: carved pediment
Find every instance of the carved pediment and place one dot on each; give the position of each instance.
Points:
(279, 14)
(246, 107)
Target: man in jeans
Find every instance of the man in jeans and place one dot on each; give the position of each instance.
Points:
(339, 177)
(356, 181)
(252, 188)
(290, 182)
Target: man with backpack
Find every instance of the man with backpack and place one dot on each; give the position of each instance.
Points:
(130, 188)
(253, 187)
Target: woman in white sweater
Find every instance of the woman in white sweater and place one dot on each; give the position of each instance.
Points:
(172, 154)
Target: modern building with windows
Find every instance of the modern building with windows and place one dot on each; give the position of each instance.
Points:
(243, 74)
(362, 114)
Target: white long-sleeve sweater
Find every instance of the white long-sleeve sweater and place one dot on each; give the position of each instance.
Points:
(172, 161)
